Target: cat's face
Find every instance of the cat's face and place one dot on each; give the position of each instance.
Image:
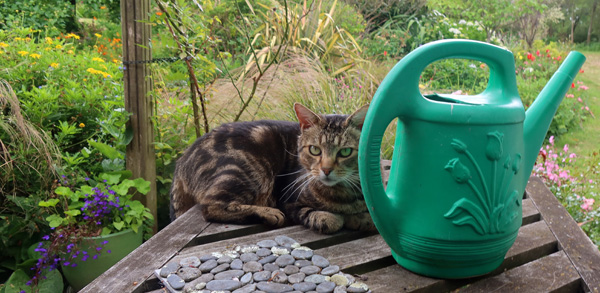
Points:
(328, 145)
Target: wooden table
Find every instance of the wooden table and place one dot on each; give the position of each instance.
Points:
(551, 253)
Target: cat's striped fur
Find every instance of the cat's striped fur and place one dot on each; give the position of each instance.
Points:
(276, 172)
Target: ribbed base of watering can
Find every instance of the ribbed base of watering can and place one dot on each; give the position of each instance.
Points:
(452, 259)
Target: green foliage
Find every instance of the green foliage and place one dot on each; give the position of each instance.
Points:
(51, 16)
(65, 210)
(17, 283)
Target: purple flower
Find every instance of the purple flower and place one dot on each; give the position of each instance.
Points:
(46, 237)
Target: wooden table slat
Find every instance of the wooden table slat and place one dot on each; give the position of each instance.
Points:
(553, 273)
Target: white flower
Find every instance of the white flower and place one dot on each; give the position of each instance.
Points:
(455, 31)
(462, 21)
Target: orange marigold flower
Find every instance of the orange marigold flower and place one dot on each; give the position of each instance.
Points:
(81, 125)
(159, 13)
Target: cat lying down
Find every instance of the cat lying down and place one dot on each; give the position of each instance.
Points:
(276, 173)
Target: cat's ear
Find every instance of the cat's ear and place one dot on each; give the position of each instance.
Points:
(306, 117)
(358, 117)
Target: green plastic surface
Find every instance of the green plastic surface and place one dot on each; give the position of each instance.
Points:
(452, 207)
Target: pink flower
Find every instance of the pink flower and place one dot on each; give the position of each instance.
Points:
(566, 148)
(572, 155)
(551, 140)
(583, 88)
(579, 100)
(588, 204)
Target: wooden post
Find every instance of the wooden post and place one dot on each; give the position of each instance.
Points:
(137, 83)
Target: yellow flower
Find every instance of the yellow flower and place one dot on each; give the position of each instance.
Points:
(81, 125)
(47, 49)
(102, 7)
(36, 56)
(116, 61)
(18, 39)
(48, 40)
(1, 52)
(70, 52)
(58, 46)
(72, 35)
(3, 45)
(54, 65)
(23, 53)
(97, 59)
(98, 35)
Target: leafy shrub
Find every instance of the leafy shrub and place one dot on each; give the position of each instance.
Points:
(52, 16)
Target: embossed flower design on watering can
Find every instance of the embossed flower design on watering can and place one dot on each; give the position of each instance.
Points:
(493, 210)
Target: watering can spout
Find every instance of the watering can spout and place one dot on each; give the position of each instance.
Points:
(539, 115)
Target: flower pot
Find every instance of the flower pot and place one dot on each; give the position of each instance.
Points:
(119, 244)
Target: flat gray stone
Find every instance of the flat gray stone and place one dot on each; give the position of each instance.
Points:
(274, 287)
(246, 257)
(205, 278)
(252, 266)
(220, 268)
(340, 289)
(224, 259)
(268, 259)
(303, 263)
(267, 243)
(305, 286)
(279, 277)
(223, 285)
(191, 261)
(206, 257)
(285, 260)
(310, 270)
(229, 275)
(261, 276)
(270, 267)
(302, 253)
(317, 279)
(319, 261)
(326, 287)
(291, 269)
(208, 265)
(236, 264)
(264, 252)
(246, 278)
(330, 270)
(176, 282)
(169, 268)
(296, 278)
(189, 273)
(285, 241)
(246, 289)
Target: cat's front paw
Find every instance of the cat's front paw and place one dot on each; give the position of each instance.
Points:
(271, 216)
(324, 222)
(361, 222)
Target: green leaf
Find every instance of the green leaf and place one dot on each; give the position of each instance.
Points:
(53, 282)
(111, 179)
(63, 191)
(54, 220)
(106, 150)
(119, 225)
(73, 213)
(49, 203)
(142, 185)
(16, 282)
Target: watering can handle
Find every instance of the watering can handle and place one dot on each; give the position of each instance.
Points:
(398, 96)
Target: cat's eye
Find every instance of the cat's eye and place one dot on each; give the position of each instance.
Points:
(314, 150)
(345, 152)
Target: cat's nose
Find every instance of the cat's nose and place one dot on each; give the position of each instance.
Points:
(326, 171)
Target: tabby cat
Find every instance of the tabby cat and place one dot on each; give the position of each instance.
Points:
(276, 173)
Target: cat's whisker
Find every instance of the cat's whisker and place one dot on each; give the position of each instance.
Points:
(292, 173)
(288, 192)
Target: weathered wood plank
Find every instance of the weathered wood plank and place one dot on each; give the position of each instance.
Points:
(530, 212)
(131, 272)
(578, 247)
(553, 273)
(533, 241)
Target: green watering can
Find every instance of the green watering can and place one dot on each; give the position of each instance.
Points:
(452, 207)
